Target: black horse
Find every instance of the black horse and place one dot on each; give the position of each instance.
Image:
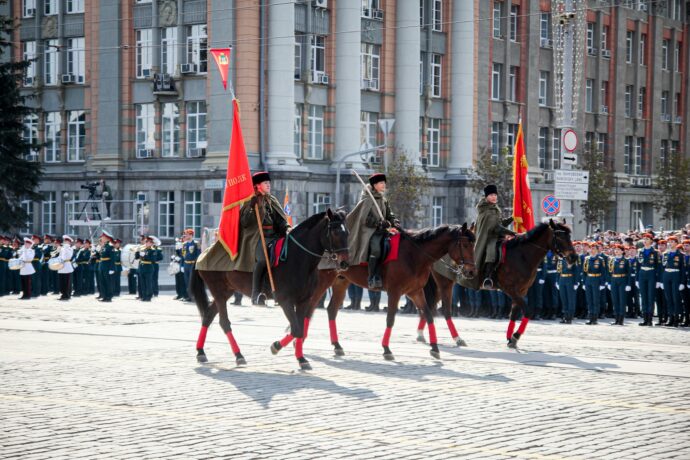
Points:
(295, 279)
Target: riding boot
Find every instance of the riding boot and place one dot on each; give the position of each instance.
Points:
(591, 321)
(374, 280)
(257, 279)
(621, 320)
(488, 282)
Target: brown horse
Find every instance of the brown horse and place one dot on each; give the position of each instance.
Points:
(405, 276)
(441, 287)
(295, 279)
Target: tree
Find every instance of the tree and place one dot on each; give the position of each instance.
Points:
(599, 192)
(489, 171)
(19, 177)
(407, 185)
(673, 189)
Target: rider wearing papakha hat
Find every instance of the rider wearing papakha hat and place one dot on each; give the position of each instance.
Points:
(367, 229)
(490, 228)
(273, 222)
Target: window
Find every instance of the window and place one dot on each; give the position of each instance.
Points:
(641, 97)
(169, 50)
(196, 128)
(495, 141)
(628, 100)
(513, 83)
(321, 202)
(76, 63)
(636, 214)
(676, 57)
(514, 24)
(439, 202)
(367, 125)
(421, 14)
(496, 78)
(664, 103)
(170, 137)
(298, 130)
(315, 139)
(298, 56)
(675, 10)
(30, 134)
(433, 137)
(602, 144)
(422, 56)
(76, 135)
(556, 149)
(166, 214)
(545, 28)
(145, 141)
(192, 211)
(676, 105)
(642, 50)
(511, 136)
(52, 137)
(604, 42)
(629, 46)
(197, 47)
(370, 8)
(28, 207)
(50, 7)
(590, 38)
(437, 15)
(370, 66)
(628, 155)
(50, 63)
(664, 54)
(543, 88)
(435, 75)
(144, 52)
(29, 54)
(543, 159)
(48, 212)
(663, 151)
(639, 154)
(318, 56)
(589, 141)
(75, 6)
(498, 31)
(604, 97)
(29, 8)
(589, 95)
(675, 145)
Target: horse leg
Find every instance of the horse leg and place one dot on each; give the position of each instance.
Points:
(446, 303)
(225, 324)
(339, 289)
(208, 317)
(517, 307)
(420, 328)
(419, 300)
(393, 300)
(299, 353)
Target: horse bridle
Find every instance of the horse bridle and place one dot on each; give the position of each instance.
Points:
(456, 268)
(554, 243)
(333, 252)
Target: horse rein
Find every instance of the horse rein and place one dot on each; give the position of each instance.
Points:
(333, 252)
(457, 270)
(554, 244)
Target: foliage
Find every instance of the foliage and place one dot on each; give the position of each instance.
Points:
(599, 194)
(673, 189)
(19, 177)
(487, 171)
(407, 184)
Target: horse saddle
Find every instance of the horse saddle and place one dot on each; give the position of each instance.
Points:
(275, 248)
(500, 251)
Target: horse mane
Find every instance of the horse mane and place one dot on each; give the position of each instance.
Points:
(308, 224)
(431, 233)
(530, 235)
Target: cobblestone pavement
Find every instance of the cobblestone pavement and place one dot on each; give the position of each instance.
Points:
(82, 379)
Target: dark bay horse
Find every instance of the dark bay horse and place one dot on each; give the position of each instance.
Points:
(405, 276)
(295, 279)
(516, 273)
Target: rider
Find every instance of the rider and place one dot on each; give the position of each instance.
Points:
(273, 222)
(367, 228)
(490, 228)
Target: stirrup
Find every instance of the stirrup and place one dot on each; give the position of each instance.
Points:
(488, 283)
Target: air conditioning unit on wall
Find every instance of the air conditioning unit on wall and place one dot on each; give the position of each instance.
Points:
(320, 4)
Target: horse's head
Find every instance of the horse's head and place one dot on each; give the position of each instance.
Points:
(335, 238)
(462, 250)
(561, 243)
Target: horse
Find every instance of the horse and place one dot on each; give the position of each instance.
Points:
(515, 274)
(405, 276)
(295, 280)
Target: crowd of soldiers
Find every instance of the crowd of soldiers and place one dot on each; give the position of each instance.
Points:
(68, 267)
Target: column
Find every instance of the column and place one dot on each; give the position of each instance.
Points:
(464, 86)
(407, 54)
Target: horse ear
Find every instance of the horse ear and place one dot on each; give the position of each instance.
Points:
(329, 213)
(464, 226)
(551, 224)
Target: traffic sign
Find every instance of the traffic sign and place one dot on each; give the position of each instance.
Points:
(386, 125)
(570, 140)
(571, 184)
(569, 159)
(550, 205)
(573, 176)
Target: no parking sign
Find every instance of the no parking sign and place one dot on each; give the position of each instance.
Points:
(550, 205)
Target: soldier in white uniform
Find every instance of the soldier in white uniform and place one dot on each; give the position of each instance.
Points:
(26, 254)
(65, 273)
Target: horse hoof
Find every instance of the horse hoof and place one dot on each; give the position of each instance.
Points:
(460, 343)
(339, 352)
(239, 360)
(201, 358)
(304, 364)
(512, 343)
(388, 357)
(420, 338)
(276, 347)
(435, 354)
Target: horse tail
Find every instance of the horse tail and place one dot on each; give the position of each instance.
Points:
(431, 293)
(197, 290)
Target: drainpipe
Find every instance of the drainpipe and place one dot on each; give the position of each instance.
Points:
(262, 85)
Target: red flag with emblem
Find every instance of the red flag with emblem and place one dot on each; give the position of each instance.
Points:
(523, 212)
(238, 187)
(222, 58)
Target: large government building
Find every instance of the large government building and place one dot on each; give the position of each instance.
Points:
(127, 92)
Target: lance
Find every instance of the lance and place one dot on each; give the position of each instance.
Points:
(376, 205)
(263, 246)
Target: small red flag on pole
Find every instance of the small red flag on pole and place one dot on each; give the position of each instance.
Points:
(523, 213)
(287, 208)
(222, 58)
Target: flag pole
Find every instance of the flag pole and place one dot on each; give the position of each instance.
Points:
(263, 246)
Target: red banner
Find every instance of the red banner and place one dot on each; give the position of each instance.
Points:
(222, 58)
(523, 212)
(238, 187)
(287, 208)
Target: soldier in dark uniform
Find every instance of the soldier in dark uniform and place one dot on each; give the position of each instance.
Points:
(648, 277)
(661, 309)
(117, 260)
(132, 277)
(15, 278)
(568, 278)
(273, 222)
(593, 271)
(191, 253)
(43, 251)
(178, 258)
(146, 258)
(78, 275)
(5, 256)
(535, 293)
(632, 298)
(157, 257)
(550, 282)
(619, 274)
(672, 278)
(106, 267)
(88, 280)
(37, 262)
(686, 280)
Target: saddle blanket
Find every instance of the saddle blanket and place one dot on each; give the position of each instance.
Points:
(391, 248)
(274, 251)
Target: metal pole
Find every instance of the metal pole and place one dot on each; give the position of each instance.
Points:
(567, 121)
(341, 161)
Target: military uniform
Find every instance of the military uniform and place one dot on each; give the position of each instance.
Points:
(147, 257)
(648, 277)
(535, 293)
(633, 295)
(37, 263)
(5, 256)
(190, 252)
(106, 265)
(568, 280)
(672, 279)
(686, 291)
(115, 277)
(178, 257)
(157, 257)
(81, 259)
(550, 282)
(593, 271)
(619, 274)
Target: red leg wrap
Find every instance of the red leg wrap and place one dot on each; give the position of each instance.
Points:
(334, 331)
(286, 340)
(233, 343)
(523, 325)
(387, 337)
(306, 328)
(421, 325)
(511, 328)
(298, 348)
(432, 333)
(451, 328)
(202, 338)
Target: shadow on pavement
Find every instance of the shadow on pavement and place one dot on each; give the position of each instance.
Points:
(534, 358)
(262, 387)
(405, 371)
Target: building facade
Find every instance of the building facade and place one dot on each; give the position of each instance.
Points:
(126, 93)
